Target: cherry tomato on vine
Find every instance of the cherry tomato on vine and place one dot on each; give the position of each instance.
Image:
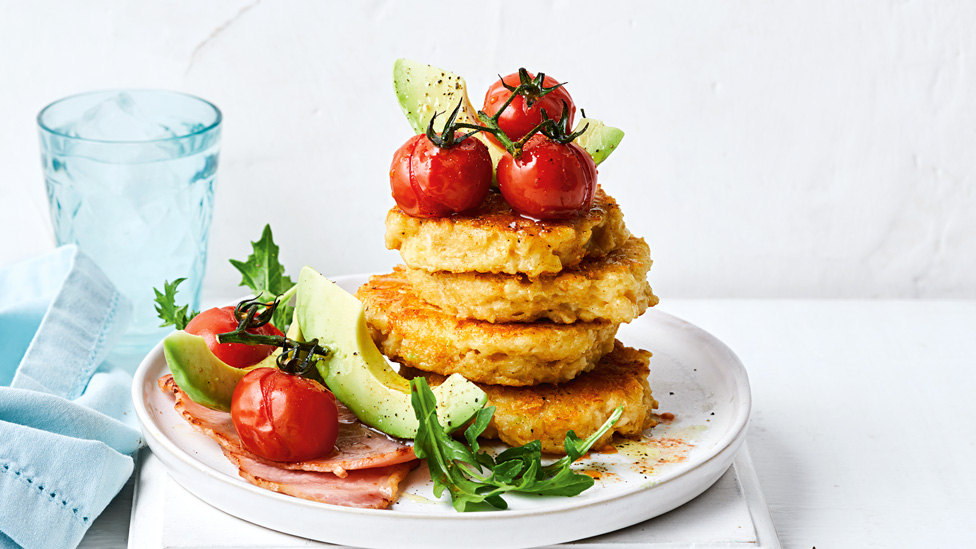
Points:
(550, 180)
(221, 320)
(284, 417)
(517, 119)
(432, 181)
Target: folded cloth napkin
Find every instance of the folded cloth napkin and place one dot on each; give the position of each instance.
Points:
(67, 431)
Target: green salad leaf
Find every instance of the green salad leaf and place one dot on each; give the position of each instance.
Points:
(166, 308)
(265, 276)
(473, 477)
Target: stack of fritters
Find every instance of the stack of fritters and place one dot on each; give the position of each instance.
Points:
(527, 309)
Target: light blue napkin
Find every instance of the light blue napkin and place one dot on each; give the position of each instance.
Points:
(67, 431)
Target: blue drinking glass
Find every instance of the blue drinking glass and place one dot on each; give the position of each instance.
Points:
(130, 179)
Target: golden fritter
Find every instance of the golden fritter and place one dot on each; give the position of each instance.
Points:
(546, 412)
(415, 333)
(613, 288)
(495, 239)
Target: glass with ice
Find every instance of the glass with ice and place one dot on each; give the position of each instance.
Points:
(130, 179)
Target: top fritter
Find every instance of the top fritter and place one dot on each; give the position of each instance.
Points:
(496, 239)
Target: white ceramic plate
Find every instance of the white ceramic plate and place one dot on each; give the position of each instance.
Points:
(694, 376)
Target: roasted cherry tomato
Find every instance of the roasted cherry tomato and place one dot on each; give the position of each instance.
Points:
(550, 180)
(284, 417)
(517, 120)
(220, 320)
(432, 181)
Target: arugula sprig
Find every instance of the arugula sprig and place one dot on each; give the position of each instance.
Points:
(166, 308)
(474, 477)
(265, 276)
(262, 273)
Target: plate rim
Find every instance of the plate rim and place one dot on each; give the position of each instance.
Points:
(734, 436)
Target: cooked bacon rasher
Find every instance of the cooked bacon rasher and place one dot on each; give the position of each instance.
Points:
(364, 470)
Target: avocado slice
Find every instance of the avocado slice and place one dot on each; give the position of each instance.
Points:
(204, 378)
(359, 375)
(423, 90)
(599, 139)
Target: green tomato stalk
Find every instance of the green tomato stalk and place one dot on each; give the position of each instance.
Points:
(297, 357)
(533, 90)
(447, 137)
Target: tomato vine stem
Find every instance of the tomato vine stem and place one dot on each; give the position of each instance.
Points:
(532, 89)
(447, 139)
(297, 357)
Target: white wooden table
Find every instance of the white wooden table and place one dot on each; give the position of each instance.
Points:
(863, 431)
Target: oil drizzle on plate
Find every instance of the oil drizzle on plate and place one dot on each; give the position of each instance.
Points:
(656, 449)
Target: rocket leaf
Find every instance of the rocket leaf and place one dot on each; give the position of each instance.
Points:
(265, 276)
(473, 477)
(166, 308)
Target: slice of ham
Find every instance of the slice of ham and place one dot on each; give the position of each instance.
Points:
(364, 470)
(357, 446)
(373, 488)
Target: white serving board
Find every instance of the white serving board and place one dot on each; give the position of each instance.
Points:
(732, 513)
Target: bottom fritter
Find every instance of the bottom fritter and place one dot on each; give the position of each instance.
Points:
(546, 412)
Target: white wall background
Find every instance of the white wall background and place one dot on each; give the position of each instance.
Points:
(773, 149)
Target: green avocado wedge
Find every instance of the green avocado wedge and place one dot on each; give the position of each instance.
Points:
(359, 375)
(204, 378)
(599, 139)
(423, 90)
